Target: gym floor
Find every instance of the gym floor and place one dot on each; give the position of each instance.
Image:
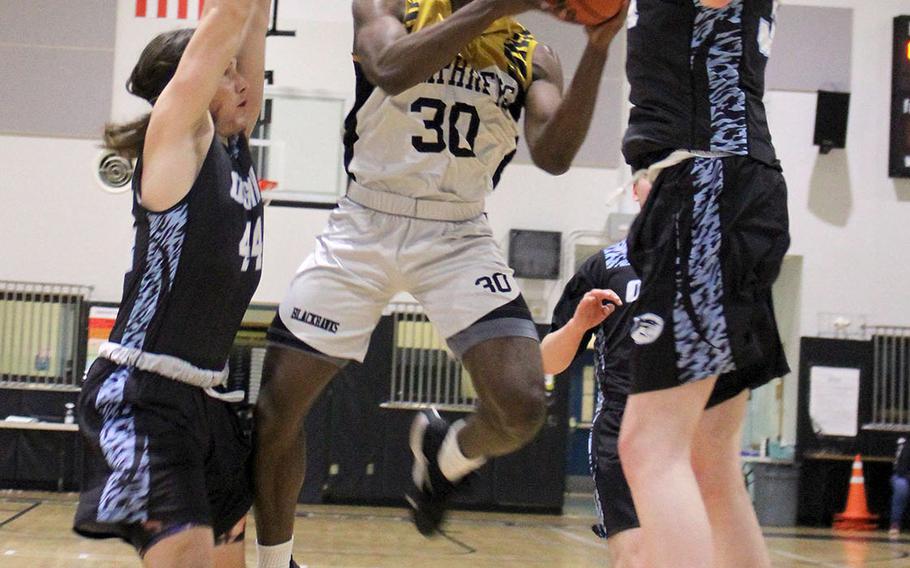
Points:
(34, 533)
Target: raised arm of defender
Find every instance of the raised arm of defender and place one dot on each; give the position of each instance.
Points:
(556, 124)
(180, 128)
(395, 61)
(251, 60)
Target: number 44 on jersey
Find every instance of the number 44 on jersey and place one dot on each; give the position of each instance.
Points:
(251, 245)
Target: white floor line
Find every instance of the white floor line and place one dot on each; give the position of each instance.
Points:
(581, 539)
(805, 559)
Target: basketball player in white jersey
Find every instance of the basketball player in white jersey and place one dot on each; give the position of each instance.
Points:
(440, 87)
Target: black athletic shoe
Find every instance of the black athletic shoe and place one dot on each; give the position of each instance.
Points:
(431, 492)
(293, 564)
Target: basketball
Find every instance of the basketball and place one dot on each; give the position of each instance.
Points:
(586, 12)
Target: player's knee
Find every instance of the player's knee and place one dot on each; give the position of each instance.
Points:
(636, 458)
(625, 445)
(717, 479)
(521, 413)
(528, 415)
(190, 546)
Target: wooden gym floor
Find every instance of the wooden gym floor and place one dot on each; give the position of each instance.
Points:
(35, 533)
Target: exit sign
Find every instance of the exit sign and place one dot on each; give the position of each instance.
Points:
(899, 162)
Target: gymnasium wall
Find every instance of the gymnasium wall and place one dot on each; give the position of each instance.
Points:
(849, 220)
(47, 56)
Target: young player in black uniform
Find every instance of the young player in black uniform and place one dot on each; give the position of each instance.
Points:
(708, 246)
(167, 467)
(599, 300)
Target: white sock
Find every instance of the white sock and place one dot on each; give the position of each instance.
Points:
(277, 556)
(453, 464)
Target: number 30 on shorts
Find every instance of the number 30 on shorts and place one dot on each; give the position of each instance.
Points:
(251, 245)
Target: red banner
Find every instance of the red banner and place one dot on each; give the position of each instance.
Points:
(173, 9)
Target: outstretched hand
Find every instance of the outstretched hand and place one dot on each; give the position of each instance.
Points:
(601, 35)
(595, 307)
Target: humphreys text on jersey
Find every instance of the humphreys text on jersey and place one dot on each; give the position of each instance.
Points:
(501, 87)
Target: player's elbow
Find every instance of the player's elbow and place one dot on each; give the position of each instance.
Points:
(393, 87)
(553, 158)
(387, 76)
(552, 367)
(389, 81)
(557, 169)
(555, 166)
(554, 361)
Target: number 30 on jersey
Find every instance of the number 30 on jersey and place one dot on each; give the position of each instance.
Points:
(251, 245)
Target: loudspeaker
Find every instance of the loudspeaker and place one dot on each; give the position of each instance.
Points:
(831, 116)
(113, 173)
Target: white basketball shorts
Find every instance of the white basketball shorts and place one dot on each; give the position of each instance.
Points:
(364, 257)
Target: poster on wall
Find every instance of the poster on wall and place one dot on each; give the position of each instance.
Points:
(834, 400)
(100, 323)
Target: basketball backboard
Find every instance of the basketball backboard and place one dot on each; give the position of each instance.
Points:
(297, 147)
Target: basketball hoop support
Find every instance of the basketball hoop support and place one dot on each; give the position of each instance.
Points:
(273, 29)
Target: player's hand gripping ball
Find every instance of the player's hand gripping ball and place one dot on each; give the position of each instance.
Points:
(585, 12)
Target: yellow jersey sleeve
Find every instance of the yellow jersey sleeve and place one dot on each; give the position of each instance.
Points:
(505, 44)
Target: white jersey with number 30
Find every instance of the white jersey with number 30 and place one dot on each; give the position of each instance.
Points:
(450, 137)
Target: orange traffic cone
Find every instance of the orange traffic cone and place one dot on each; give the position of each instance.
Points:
(856, 517)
